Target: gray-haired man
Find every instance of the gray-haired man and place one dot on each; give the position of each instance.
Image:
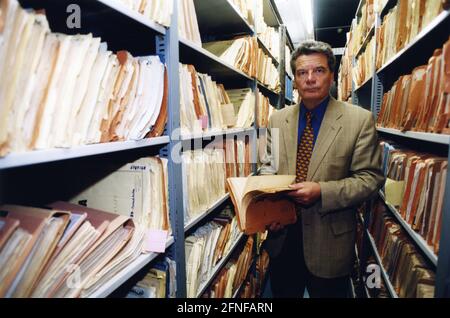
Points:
(332, 148)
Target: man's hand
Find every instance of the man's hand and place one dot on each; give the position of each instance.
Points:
(305, 193)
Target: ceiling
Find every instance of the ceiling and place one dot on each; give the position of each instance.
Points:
(332, 20)
(296, 15)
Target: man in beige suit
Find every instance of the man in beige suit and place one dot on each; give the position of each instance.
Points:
(331, 147)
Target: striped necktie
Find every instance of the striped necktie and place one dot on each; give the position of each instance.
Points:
(304, 151)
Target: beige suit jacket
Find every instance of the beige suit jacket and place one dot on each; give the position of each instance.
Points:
(346, 162)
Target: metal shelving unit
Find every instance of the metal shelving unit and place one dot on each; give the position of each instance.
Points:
(220, 17)
(386, 279)
(364, 84)
(441, 21)
(420, 242)
(206, 62)
(202, 288)
(289, 101)
(438, 26)
(366, 40)
(389, 5)
(360, 274)
(239, 288)
(210, 134)
(127, 273)
(359, 8)
(200, 217)
(100, 8)
(430, 137)
(267, 91)
(416, 53)
(122, 28)
(267, 51)
(15, 160)
(117, 25)
(119, 7)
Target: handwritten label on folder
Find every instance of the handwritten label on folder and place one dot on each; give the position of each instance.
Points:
(156, 241)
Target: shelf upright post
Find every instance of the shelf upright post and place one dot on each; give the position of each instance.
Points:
(365, 245)
(443, 265)
(375, 102)
(168, 47)
(354, 95)
(282, 67)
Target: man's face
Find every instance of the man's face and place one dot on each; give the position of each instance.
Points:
(313, 78)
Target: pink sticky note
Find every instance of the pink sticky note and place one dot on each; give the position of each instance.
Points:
(204, 121)
(156, 241)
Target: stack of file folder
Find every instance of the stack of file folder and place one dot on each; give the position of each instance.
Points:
(65, 251)
(233, 274)
(159, 11)
(205, 248)
(72, 91)
(419, 181)
(401, 25)
(407, 270)
(420, 101)
(264, 111)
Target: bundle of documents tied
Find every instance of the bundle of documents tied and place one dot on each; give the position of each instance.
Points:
(259, 201)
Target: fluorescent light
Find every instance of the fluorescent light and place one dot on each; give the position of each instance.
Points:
(297, 15)
(308, 15)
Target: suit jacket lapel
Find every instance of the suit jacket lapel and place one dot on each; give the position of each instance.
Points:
(290, 139)
(328, 131)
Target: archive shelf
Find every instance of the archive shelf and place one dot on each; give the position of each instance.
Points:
(217, 20)
(127, 273)
(267, 91)
(364, 85)
(15, 160)
(430, 137)
(209, 134)
(271, 14)
(267, 51)
(239, 288)
(110, 20)
(359, 8)
(289, 101)
(119, 7)
(220, 17)
(420, 242)
(206, 62)
(100, 7)
(388, 6)
(124, 29)
(414, 54)
(208, 211)
(439, 26)
(117, 25)
(366, 40)
(202, 288)
(359, 272)
(386, 279)
(398, 64)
